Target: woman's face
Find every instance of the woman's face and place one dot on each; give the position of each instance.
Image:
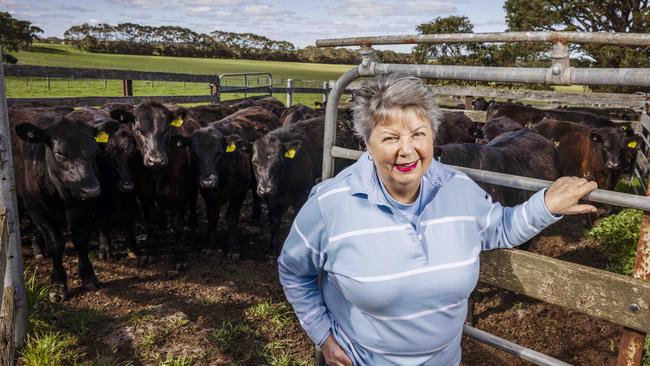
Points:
(402, 148)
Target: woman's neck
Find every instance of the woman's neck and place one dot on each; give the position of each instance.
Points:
(404, 194)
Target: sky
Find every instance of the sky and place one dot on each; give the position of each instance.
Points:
(300, 22)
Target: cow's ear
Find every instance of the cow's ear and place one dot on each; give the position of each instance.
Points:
(291, 148)
(633, 142)
(596, 136)
(629, 131)
(122, 116)
(179, 117)
(180, 141)
(232, 143)
(32, 134)
(110, 127)
(103, 131)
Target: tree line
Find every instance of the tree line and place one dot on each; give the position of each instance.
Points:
(130, 38)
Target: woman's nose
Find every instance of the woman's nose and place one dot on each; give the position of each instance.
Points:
(406, 146)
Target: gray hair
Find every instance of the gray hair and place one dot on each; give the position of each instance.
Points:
(376, 98)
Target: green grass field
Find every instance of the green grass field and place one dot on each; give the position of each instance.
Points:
(310, 75)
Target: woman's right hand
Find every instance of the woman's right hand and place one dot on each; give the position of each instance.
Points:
(334, 354)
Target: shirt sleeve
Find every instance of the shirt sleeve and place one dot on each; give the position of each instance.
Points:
(507, 227)
(299, 265)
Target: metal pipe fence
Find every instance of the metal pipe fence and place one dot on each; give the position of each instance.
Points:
(559, 73)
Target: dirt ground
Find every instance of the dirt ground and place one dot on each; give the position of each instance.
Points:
(220, 312)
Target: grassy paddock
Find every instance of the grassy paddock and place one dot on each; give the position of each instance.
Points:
(303, 74)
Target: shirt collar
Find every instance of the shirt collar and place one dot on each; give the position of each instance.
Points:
(364, 179)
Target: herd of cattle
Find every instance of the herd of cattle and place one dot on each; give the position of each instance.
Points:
(81, 169)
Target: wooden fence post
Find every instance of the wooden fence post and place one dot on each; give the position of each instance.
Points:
(289, 92)
(326, 90)
(631, 345)
(127, 88)
(14, 280)
(469, 102)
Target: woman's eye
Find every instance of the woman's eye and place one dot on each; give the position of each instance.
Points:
(389, 139)
(419, 134)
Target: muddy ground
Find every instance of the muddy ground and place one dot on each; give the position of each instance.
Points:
(220, 312)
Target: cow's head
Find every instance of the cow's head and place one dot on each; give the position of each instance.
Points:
(269, 156)
(120, 150)
(209, 147)
(70, 154)
(613, 143)
(153, 127)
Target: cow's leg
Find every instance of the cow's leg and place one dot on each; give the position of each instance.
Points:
(55, 245)
(212, 212)
(149, 212)
(127, 217)
(232, 220)
(80, 234)
(256, 219)
(178, 227)
(276, 210)
(38, 244)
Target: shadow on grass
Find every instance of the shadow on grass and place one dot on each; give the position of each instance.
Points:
(56, 51)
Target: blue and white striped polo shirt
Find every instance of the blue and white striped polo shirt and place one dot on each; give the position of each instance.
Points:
(392, 293)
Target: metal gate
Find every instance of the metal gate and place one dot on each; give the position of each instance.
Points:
(636, 292)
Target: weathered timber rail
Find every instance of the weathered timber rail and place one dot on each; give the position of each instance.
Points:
(601, 294)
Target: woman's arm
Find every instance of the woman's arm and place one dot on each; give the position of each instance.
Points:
(299, 264)
(506, 227)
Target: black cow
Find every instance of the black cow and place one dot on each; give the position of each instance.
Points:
(59, 185)
(212, 112)
(270, 103)
(224, 175)
(29, 114)
(164, 180)
(598, 154)
(299, 112)
(120, 158)
(480, 104)
(499, 125)
(626, 114)
(456, 127)
(524, 152)
(529, 116)
(287, 162)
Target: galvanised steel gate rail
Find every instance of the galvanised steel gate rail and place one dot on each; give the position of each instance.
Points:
(559, 73)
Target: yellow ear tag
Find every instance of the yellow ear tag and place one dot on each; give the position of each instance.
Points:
(177, 122)
(291, 153)
(632, 145)
(101, 137)
(231, 147)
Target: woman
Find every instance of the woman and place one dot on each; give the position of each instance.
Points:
(397, 236)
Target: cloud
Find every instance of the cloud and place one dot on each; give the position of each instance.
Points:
(185, 5)
(74, 8)
(365, 8)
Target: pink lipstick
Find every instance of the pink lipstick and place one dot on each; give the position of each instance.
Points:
(405, 168)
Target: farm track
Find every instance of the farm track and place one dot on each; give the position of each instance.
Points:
(224, 313)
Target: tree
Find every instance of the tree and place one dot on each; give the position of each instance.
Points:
(444, 52)
(15, 35)
(624, 16)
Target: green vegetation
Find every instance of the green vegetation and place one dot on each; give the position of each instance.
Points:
(274, 317)
(224, 335)
(177, 361)
(619, 235)
(49, 349)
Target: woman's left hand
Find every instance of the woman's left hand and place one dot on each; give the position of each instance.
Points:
(563, 195)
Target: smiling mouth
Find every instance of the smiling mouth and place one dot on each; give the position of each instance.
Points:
(405, 168)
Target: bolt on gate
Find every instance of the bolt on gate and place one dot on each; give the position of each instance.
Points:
(612, 297)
